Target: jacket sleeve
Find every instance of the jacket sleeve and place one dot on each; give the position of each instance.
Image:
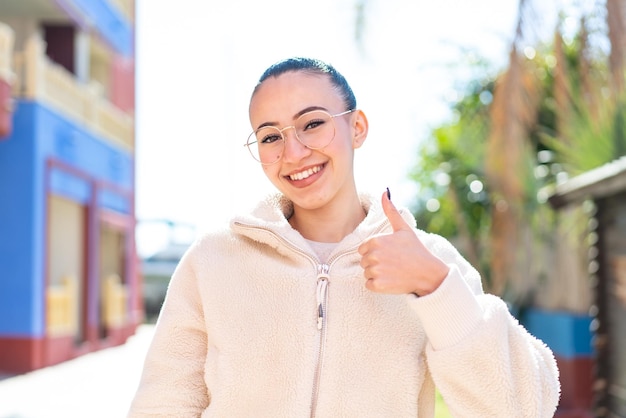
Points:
(483, 362)
(172, 382)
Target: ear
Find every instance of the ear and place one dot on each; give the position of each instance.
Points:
(361, 127)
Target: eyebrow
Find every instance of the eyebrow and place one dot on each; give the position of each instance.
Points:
(296, 116)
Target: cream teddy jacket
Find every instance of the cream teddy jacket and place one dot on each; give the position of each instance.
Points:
(254, 326)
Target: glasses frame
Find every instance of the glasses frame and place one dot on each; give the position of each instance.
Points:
(280, 131)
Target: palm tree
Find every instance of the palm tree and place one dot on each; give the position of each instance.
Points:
(583, 130)
(514, 111)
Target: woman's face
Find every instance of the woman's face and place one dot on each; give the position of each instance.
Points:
(311, 178)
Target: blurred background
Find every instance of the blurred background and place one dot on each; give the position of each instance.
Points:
(500, 123)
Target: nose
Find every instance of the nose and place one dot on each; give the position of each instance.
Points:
(294, 149)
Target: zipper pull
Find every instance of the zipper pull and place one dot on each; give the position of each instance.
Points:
(320, 316)
(322, 292)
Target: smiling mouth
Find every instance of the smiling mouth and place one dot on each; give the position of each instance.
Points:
(305, 173)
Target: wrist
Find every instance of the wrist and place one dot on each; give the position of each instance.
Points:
(436, 279)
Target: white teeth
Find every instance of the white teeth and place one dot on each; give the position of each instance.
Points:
(306, 173)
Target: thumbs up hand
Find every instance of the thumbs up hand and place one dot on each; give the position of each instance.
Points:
(399, 262)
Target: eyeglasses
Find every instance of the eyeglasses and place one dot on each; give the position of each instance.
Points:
(315, 130)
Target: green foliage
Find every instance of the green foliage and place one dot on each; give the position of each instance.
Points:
(591, 129)
(591, 140)
(453, 201)
(452, 159)
(441, 409)
(579, 124)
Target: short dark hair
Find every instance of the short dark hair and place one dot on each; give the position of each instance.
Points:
(313, 66)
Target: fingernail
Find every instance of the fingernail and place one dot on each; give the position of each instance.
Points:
(388, 194)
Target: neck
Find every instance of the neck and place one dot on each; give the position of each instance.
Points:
(328, 224)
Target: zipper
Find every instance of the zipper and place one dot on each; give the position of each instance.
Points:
(323, 280)
(322, 302)
(322, 292)
(323, 277)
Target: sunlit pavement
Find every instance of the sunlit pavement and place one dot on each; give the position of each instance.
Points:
(99, 384)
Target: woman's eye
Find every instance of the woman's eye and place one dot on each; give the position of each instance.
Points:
(269, 139)
(312, 124)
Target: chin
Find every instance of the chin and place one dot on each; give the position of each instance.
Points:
(310, 202)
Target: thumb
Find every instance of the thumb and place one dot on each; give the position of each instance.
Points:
(397, 221)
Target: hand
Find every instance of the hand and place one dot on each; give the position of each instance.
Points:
(399, 262)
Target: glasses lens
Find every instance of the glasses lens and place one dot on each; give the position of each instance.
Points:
(315, 129)
(266, 145)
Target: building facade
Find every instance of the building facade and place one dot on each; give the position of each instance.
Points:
(68, 269)
(600, 379)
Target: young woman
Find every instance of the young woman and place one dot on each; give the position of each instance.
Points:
(324, 302)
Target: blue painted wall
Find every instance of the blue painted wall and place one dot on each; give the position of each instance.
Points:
(20, 191)
(40, 133)
(568, 334)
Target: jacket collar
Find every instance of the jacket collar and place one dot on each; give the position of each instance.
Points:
(267, 223)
